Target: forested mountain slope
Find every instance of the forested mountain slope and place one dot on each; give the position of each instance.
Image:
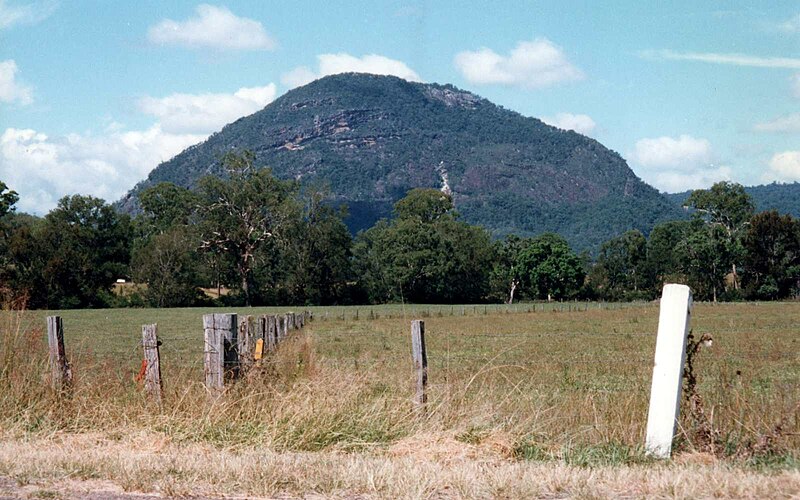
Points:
(372, 138)
(785, 198)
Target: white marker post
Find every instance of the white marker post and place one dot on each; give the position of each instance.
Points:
(665, 393)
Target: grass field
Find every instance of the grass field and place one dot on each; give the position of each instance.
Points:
(528, 389)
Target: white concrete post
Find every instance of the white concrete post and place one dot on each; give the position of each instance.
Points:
(665, 393)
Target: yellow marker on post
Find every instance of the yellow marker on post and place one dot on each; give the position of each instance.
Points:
(259, 349)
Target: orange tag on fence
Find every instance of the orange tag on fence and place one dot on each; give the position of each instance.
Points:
(142, 371)
(259, 349)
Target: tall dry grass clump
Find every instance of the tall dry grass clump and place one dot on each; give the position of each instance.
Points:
(26, 400)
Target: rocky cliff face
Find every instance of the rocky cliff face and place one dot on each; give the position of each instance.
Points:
(372, 138)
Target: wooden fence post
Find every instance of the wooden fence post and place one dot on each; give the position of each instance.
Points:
(61, 373)
(420, 361)
(152, 358)
(272, 332)
(665, 393)
(247, 342)
(220, 357)
(280, 328)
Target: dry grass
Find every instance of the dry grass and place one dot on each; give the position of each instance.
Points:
(138, 463)
(528, 404)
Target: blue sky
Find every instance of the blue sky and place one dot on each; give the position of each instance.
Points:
(94, 94)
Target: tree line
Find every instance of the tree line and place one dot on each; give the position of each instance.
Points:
(272, 241)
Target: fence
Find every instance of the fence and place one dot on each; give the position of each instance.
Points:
(350, 313)
(233, 344)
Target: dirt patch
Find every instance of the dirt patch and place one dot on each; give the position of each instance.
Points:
(445, 448)
(67, 490)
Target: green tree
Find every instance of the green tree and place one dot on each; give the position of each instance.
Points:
(8, 198)
(242, 213)
(704, 256)
(319, 254)
(424, 205)
(772, 256)
(168, 263)
(663, 263)
(425, 254)
(620, 267)
(166, 205)
(725, 205)
(72, 258)
(507, 275)
(550, 268)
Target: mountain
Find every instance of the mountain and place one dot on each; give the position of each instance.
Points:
(372, 138)
(785, 198)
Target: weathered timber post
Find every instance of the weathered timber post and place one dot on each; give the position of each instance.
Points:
(60, 371)
(281, 327)
(220, 357)
(665, 393)
(272, 332)
(262, 330)
(152, 358)
(287, 325)
(420, 357)
(246, 345)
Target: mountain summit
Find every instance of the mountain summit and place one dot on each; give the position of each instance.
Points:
(372, 138)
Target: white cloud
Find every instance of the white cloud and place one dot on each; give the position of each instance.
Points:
(531, 64)
(298, 77)
(206, 113)
(788, 123)
(677, 164)
(729, 59)
(674, 182)
(10, 89)
(43, 169)
(214, 27)
(582, 124)
(783, 167)
(12, 15)
(684, 153)
(791, 25)
(333, 64)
